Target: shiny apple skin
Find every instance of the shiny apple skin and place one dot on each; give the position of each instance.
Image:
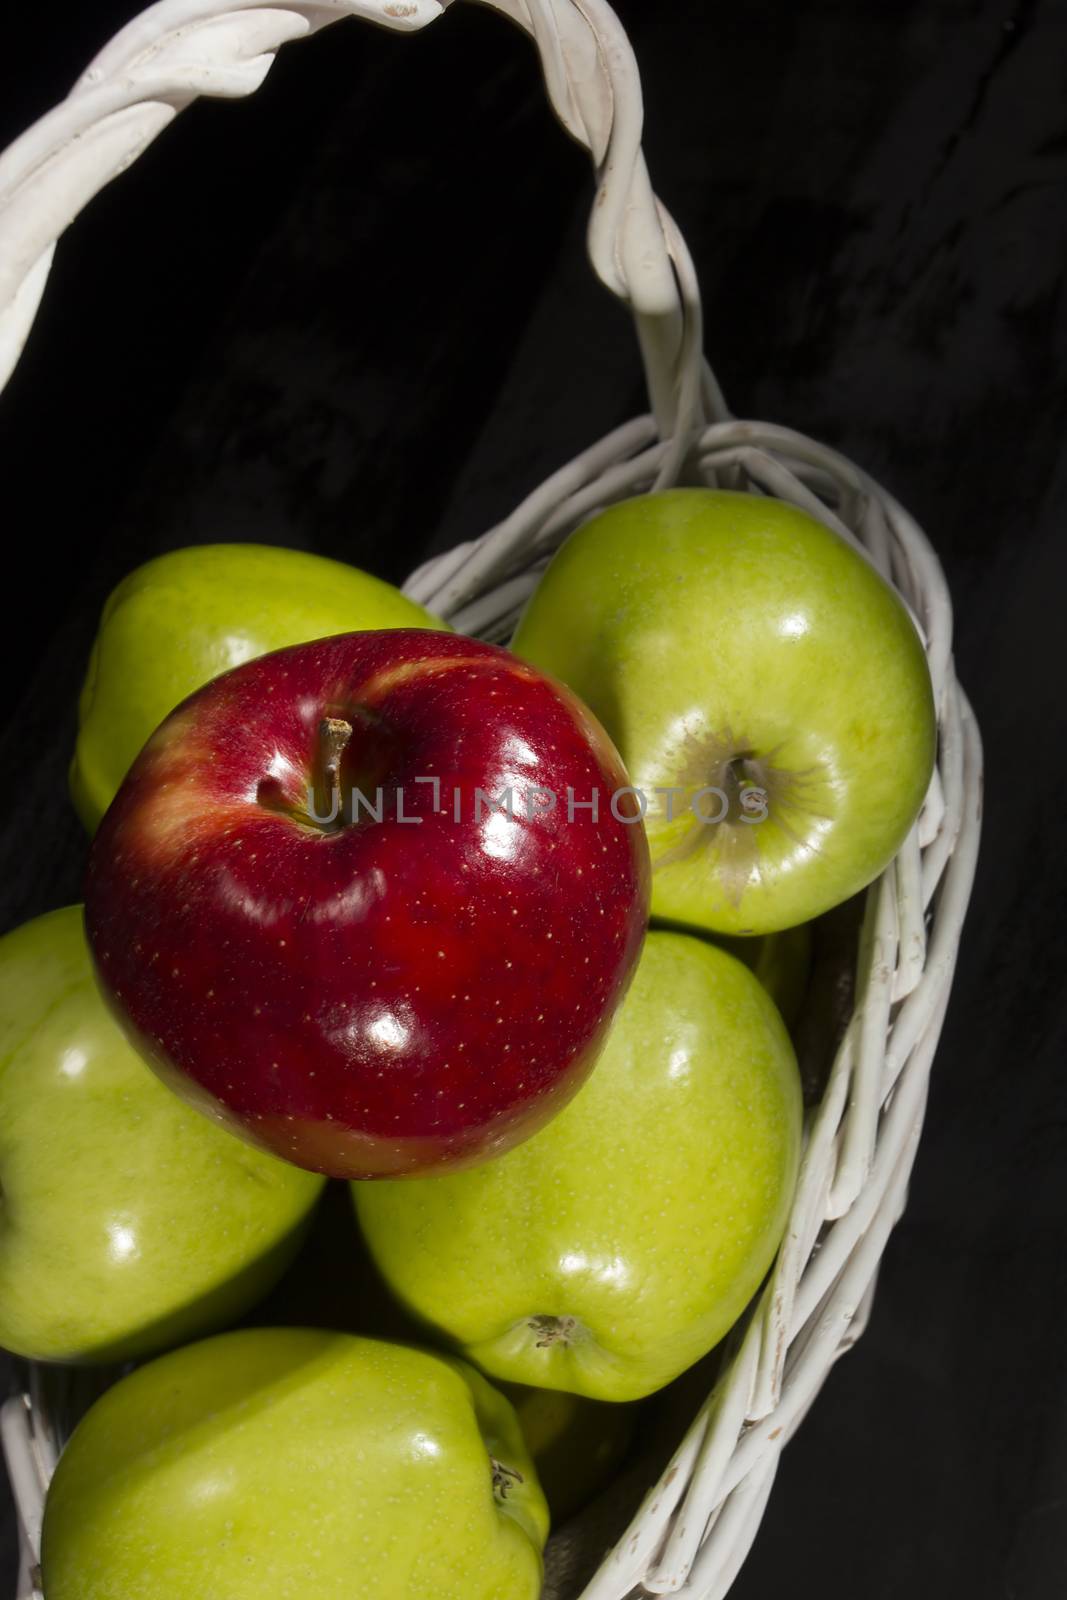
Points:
(391, 997)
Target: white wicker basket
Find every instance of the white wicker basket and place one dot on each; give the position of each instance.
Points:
(698, 1520)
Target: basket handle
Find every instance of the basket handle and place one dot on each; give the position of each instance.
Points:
(178, 50)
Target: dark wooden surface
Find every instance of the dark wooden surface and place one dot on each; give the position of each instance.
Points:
(353, 314)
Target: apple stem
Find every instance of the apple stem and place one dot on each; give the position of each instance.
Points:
(334, 734)
(503, 1478)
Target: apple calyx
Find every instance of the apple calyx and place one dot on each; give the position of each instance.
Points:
(555, 1330)
(504, 1478)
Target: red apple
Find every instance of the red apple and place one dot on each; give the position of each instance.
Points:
(420, 987)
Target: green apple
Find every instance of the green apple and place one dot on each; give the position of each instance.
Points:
(187, 616)
(577, 1444)
(781, 962)
(273, 1464)
(128, 1221)
(617, 1245)
(766, 689)
(783, 966)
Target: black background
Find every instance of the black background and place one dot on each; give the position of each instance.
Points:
(353, 314)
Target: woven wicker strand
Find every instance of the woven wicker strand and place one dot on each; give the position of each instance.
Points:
(697, 1522)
